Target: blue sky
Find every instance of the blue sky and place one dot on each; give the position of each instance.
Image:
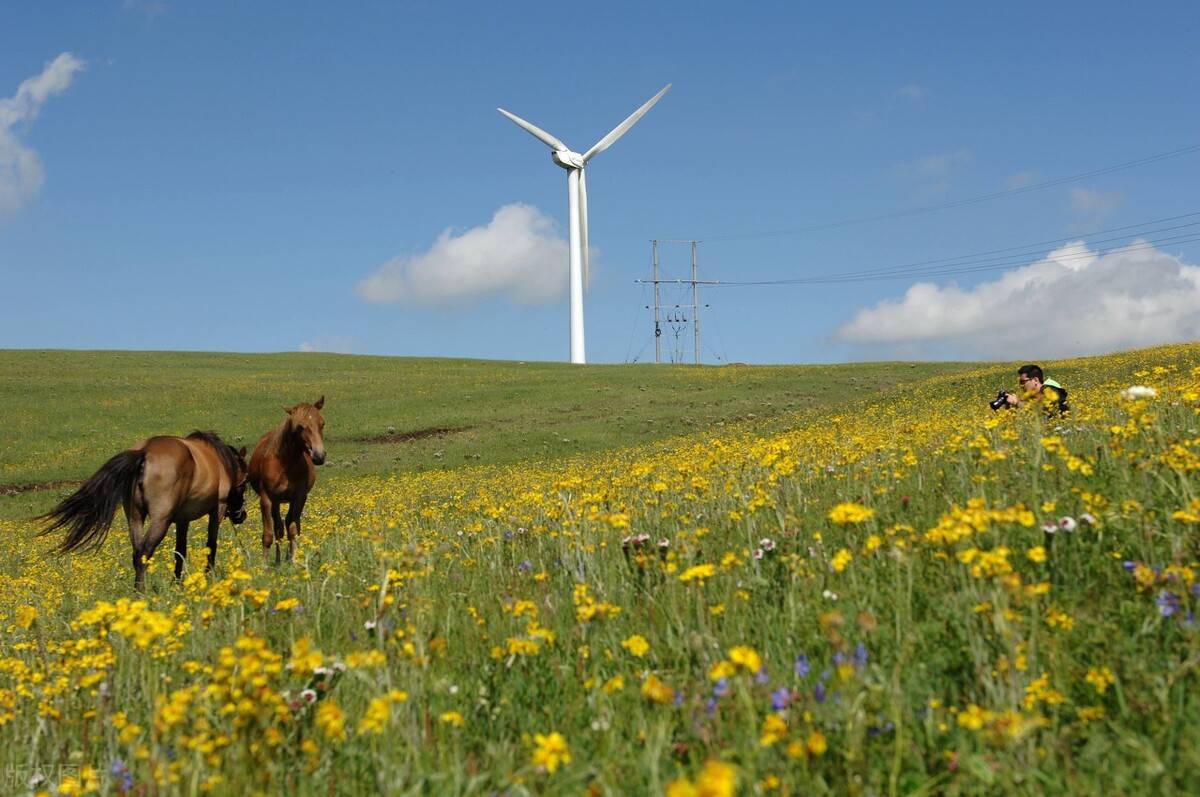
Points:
(221, 176)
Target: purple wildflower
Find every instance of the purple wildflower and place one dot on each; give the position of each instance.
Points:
(819, 692)
(721, 687)
(886, 727)
(1168, 603)
(802, 666)
(860, 655)
(122, 774)
(761, 676)
(780, 698)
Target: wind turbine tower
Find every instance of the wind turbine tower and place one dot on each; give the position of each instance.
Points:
(575, 164)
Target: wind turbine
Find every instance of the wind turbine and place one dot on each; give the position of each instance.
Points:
(575, 164)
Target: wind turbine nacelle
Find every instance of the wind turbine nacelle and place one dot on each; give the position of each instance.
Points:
(567, 159)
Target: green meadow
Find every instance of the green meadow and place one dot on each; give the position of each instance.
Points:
(66, 412)
(535, 579)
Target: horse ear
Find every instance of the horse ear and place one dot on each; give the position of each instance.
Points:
(289, 410)
(242, 452)
(320, 402)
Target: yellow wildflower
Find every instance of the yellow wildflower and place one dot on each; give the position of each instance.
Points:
(698, 573)
(550, 751)
(656, 691)
(331, 721)
(746, 658)
(26, 615)
(849, 514)
(841, 559)
(774, 729)
(722, 669)
(1100, 678)
(636, 645)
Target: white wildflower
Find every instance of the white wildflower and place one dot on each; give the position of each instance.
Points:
(1138, 392)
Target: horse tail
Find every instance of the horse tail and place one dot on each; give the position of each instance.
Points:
(87, 514)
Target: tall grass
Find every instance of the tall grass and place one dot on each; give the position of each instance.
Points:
(897, 595)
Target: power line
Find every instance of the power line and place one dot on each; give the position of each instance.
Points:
(899, 214)
(1178, 239)
(1149, 234)
(1049, 241)
(968, 262)
(1006, 253)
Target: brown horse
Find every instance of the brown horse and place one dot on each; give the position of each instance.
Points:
(159, 481)
(281, 471)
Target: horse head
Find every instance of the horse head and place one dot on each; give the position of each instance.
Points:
(235, 505)
(307, 426)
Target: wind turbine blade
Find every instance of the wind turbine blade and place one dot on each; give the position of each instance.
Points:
(622, 128)
(535, 131)
(583, 223)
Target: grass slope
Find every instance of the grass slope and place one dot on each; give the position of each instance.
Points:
(66, 412)
(876, 593)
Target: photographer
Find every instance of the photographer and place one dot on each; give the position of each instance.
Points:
(1034, 387)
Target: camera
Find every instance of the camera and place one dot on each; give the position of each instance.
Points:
(1000, 400)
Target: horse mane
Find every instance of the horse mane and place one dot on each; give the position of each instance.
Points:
(228, 456)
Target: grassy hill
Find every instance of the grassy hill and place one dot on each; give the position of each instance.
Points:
(884, 588)
(66, 412)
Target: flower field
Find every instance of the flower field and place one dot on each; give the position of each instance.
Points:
(898, 594)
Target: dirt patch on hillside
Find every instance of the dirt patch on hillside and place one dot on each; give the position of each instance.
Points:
(30, 487)
(415, 434)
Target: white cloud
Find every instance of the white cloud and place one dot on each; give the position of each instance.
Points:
(912, 91)
(1094, 205)
(932, 173)
(338, 344)
(937, 165)
(518, 254)
(1021, 179)
(21, 173)
(1074, 301)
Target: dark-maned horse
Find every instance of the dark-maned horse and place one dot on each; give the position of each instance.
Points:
(282, 472)
(159, 481)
